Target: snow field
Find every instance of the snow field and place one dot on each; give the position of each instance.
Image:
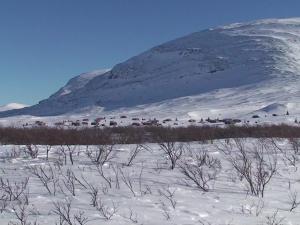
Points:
(145, 190)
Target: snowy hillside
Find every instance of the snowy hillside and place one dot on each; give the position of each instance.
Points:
(231, 70)
(12, 106)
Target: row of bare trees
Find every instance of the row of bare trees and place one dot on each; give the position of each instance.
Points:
(138, 135)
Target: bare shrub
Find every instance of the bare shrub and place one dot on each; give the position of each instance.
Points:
(134, 152)
(94, 194)
(274, 219)
(80, 218)
(293, 157)
(132, 217)
(200, 170)
(71, 152)
(64, 211)
(68, 151)
(47, 176)
(99, 157)
(21, 212)
(106, 178)
(13, 153)
(169, 195)
(294, 201)
(128, 181)
(14, 191)
(69, 181)
(48, 149)
(32, 151)
(63, 152)
(295, 143)
(116, 169)
(173, 151)
(255, 163)
(4, 202)
(143, 189)
(106, 211)
(165, 211)
(102, 154)
(255, 208)
(290, 155)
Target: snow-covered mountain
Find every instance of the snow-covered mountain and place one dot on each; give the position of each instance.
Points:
(233, 69)
(12, 106)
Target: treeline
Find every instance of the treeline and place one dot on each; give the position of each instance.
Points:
(134, 135)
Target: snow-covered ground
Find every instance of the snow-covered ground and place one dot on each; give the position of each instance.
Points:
(147, 191)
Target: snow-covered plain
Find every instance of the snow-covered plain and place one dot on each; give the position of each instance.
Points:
(154, 194)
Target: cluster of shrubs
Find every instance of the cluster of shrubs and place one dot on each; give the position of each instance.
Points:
(133, 135)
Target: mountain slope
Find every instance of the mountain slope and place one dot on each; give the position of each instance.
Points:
(237, 67)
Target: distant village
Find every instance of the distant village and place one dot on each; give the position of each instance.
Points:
(124, 120)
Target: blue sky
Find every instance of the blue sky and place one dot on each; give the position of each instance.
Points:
(43, 43)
